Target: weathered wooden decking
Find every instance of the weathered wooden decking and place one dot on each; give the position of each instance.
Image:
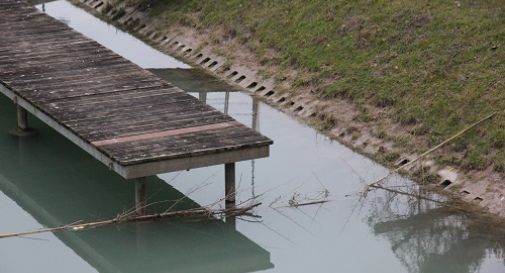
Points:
(128, 118)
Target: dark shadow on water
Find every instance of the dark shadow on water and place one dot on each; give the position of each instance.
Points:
(428, 238)
(57, 183)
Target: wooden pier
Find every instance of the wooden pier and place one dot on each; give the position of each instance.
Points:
(126, 117)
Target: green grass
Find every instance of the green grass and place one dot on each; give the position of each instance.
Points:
(437, 64)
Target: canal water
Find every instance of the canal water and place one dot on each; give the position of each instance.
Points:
(48, 181)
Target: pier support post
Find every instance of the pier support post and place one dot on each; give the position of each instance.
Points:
(22, 129)
(230, 220)
(202, 96)
(22, 118)
(229, 178)
(140, 196)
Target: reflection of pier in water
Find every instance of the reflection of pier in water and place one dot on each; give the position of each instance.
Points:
(55, 191)
(38, 2)
(427, 238)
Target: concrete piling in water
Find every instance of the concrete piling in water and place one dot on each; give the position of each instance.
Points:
(229, 177)
(230, 192)
(22, 129)
(22, 118)
(140, 196)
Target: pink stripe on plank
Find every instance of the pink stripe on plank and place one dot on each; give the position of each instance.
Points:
(164, 133)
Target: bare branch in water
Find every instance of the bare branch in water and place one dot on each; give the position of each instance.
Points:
(200, 212)
(417, 196)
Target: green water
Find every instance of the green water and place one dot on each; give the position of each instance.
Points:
(47, 181)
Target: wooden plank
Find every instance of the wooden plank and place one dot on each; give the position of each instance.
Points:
(163, 134)
(147, 168)
(149, 127)
(133, 120)
(128, 92)
(100, 112)
(182, 145)
(82, 87)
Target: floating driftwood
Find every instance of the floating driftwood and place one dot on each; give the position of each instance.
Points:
(201, 212)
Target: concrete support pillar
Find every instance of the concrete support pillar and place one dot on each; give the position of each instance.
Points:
(202, 96)
(22, 129)
(229, 178)
(140, 196)
(230, 220)
(226, 102)
(230, 192)
(255, 119)
(22, 118)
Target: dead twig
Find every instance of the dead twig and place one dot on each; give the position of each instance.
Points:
(304, 204)
(406, 193)
(201, 212)
(311, 203)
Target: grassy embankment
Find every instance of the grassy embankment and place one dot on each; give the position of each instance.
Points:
(436, 66)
